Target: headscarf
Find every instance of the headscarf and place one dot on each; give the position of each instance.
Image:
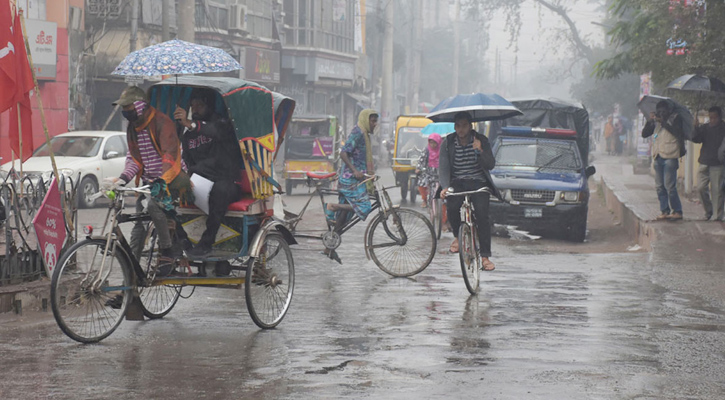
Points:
(363, 122)
(434, 154)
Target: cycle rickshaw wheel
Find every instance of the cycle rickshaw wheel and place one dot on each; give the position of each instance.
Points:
(156, 301)
(401, 244)
(270, 282)
(468, 256)
(89, 300)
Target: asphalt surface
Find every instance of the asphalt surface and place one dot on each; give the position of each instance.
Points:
(553, 321)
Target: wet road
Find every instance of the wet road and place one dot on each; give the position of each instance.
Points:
(546, 325)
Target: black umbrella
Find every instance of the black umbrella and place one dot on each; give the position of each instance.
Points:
(697, 83)
(648, 105)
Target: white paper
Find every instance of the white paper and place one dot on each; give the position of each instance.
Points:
(201, 188)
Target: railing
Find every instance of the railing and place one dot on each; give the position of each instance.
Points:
(20, 200)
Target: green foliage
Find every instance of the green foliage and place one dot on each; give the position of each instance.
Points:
(642, 30)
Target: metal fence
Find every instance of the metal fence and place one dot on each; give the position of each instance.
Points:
(20, 199)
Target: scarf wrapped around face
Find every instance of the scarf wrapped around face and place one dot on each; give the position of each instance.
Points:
(434, 154)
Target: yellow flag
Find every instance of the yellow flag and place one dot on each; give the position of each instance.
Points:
(267, 141)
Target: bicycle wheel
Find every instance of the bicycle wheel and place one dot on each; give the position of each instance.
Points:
(90, 290)
(270, 282)
(401, 244)
(436, 216)
(156, 301)
(467, 254)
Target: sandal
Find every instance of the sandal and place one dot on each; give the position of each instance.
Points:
(487, 265)
(454, 246)
(329, 215)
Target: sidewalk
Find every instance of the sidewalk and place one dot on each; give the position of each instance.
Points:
(633, 200)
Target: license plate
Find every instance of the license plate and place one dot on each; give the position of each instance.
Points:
(533, 213)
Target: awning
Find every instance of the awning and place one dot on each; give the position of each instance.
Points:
(359, 98)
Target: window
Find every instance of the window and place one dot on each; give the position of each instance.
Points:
(117, 144)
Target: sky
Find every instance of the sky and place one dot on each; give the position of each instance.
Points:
(534, 47)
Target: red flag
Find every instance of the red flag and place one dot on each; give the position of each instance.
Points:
(23, 86)
(7, 57)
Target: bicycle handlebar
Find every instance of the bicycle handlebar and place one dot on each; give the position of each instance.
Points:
(484, 189)
(146, 189)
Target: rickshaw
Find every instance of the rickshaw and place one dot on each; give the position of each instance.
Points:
(407, 149)
(99, 281)
(311, 145)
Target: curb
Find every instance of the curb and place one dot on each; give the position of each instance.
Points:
(30, 296)
(642, 232)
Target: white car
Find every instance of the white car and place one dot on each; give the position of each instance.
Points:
(93, 154)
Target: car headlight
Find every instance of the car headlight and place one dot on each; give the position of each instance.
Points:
(65, 171)
(570, 196)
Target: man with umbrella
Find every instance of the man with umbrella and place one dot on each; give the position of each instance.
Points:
(710, 173)
(465, 159)
(667, 148)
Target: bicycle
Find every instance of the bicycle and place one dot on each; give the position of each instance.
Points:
(99, 281)
(468, 241)
(401, 242)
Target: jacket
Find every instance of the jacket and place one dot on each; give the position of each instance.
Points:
(163, 135)
(486, 161)
(673, 125)
(711, 138)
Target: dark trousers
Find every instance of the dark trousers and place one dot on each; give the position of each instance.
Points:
(223, 193)
(480, 212)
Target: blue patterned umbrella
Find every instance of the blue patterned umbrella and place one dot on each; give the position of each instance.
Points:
(482, 107)
(176, 57)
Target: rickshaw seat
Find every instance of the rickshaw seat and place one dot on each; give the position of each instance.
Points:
(320, 176)
(242, 204)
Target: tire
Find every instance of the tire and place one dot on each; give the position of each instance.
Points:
(577, 233)
(270, 282)
(468, 257)
(87, 188)
(392, 254)
(438, 223)
(156, 301)
(288, 185)
(413, 185)
(95, 310)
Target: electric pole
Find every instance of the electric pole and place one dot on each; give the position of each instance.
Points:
(186, 14)
(387, 101)
(417, 49)
(456, 46)
(134, 25)
(165, 20)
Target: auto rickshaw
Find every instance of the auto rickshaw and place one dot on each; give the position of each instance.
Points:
(311, 145)
(407, 149)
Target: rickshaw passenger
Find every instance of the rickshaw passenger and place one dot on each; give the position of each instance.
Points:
(211, 150)
(154, 158)
(357, 159)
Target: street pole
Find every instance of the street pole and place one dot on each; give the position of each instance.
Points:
(187, 9)
(456, 46)
(387, 101)
(134, 25)
(165, 20)
(417, 53)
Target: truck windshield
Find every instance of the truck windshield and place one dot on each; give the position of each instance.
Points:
(539, 155)
(411, 143)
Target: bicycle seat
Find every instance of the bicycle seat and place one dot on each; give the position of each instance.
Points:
(320, 176)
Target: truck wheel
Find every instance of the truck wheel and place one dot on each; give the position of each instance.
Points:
(577, 233)
(288, 185)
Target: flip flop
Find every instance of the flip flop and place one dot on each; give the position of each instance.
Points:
(457, 247)
(487, 265)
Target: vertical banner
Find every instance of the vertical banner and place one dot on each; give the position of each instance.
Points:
(49, 225)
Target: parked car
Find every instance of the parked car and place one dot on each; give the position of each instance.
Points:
(542, 169)
(92, 155)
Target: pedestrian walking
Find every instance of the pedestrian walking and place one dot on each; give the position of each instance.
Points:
(609, 134)
(711, 169)
(667, 148)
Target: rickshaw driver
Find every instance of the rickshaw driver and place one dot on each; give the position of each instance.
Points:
(211, 150)
(153, 157)
(357, 159)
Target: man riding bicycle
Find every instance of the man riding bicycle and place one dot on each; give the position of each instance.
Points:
(465, 161)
